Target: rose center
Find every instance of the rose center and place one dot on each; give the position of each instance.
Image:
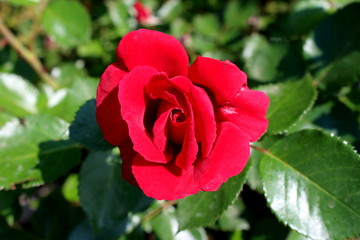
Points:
(177, 116)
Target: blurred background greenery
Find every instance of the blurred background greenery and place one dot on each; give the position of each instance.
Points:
(53, 52)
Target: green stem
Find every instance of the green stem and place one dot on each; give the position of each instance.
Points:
(27, 55)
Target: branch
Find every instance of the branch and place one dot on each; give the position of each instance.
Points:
(264, 151)
(157, 211)
(27, 55)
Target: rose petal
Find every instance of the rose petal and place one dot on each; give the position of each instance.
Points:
(205, 124)
(248, 111)
(229, 156)
(222, 80)
(108, 113)
(127, 155)
(163, 181)
(160, 129)
(133, 105)
(189, 150)
(151, 48)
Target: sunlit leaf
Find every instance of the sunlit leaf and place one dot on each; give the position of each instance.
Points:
(67, 22)
(17, 95)
(312, 183)
(288, 102)
(19, 148)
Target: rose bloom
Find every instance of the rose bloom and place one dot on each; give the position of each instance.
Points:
(144, 15)
(180, 128)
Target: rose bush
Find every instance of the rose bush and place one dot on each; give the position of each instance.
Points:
(180, 129)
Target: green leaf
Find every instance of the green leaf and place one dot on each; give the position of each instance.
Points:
(339, 73)
(119, 15)
(67, 22)
(85, 129)
(293, 235)
(170, 10)
(64, 103)
(253, 179)
(207, 25)
(165, 226)
(57, 158)
(237, 13)
(70, 188)
(19, 148)
(67, 72)
(340, 50)
(288, 102)
(5, 117)
(306, 15)
(312, 183)
(106, 198)
(23, 2)
(262, 58)
(204, 208)
(17, 95)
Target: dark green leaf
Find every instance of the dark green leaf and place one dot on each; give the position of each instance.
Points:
(333, 38)
(204, 208)
(288, 102)
(57, 158)
(67, 22)
(339, 73)
(106, 198)
(19, 147)
(312, 183)
(85, 129)
(17, 95)
(7, 198)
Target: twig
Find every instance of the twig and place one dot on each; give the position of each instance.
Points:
(157, 211)
(27, 55)
(260, 149)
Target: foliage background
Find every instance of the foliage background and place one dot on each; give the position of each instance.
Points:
(62, 181)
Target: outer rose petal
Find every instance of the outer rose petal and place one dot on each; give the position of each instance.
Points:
(108, 110)
(248, 111)
(133, 105)
(163, 181)
(229, 156)
(222, 80)
(127, 155)
(151, 48)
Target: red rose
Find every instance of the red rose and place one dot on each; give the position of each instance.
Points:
(180, 129)
(144, 14)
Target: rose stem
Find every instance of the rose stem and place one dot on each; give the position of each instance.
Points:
(157, 211)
